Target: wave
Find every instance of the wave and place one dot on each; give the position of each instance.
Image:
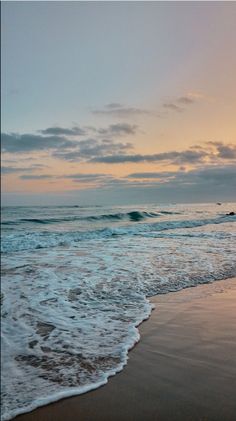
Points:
(131, 216)
(35, 240)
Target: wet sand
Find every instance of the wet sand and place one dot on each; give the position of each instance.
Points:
(184, 367)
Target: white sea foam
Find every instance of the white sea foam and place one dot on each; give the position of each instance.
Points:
(70, 311)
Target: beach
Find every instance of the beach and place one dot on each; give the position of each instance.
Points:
(118, 211)
(183, 368)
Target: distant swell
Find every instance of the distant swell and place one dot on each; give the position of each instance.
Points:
(130, 216)
(36, 240)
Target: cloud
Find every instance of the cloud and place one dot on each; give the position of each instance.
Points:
(62, 131)
(227, 152)
(211, 152)
(121, 111)
(172, 106)
(205, 183)
(64, 147)
(152, 175)
(113, 129)
(92, 148)
(205, 176)
(196, 95)
(119, 129)
(188, 156)
(215, 178)
(77, 177)
(84, 175)
(179, 104)
(88, 178)
(212, 183)
(186, 100)
(12, 170)
(218, 175)
(114, 105)
(224, 151)
(36, 177)
(24, 143)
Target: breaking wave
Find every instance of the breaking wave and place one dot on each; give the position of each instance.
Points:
(129, 216)
(28, 240)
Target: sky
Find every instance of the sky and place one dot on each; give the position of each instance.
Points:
(118, 102)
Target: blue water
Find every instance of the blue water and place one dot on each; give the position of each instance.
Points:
(76, 282)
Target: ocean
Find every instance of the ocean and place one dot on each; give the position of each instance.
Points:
(76, 282)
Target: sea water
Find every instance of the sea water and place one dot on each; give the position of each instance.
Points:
(76, 282)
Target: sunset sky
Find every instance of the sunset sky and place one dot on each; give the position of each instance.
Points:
(118, 102)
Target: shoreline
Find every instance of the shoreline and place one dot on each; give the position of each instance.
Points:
(184, 367)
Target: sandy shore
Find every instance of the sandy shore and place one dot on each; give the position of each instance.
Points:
(184, 367)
